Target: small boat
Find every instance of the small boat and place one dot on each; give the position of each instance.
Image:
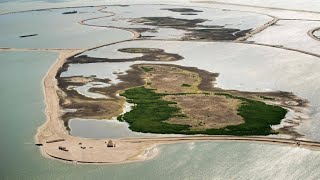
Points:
(29, 35)
(70, 12)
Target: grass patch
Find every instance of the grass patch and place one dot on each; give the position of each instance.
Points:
(151, 111)
(266, 98)
(186, 85)
(257, 115)
(146, 69)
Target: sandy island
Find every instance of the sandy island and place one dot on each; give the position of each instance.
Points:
(53, 134)
(55, 141)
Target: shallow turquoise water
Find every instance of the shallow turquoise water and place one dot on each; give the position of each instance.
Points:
(21, 109)
(53, 28)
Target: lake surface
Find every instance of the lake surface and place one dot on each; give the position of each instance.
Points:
(317, 33)
(53, 28)
(306, 5)
(98, 129)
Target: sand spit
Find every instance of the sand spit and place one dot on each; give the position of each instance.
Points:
(83, 22)
(311, 33)
(258, 30)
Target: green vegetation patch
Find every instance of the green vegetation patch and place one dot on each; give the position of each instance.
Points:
(186, 85)
(266, 98)
(151, 111)
(146, 69)
(258, 117)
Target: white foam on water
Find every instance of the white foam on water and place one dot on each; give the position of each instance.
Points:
(85, 90)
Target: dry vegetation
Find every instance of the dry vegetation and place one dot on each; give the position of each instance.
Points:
(202, 111)
(176, 99)
(206, 111)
